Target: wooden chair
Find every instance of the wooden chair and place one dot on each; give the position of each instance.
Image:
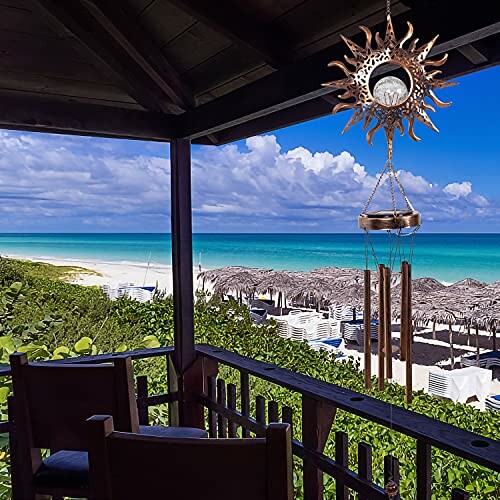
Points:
(126, 466)
(50, 406)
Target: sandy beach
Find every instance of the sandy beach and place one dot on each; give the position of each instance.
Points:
(112, 273)
(427, 352)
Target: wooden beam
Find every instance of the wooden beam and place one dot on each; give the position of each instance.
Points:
(301, 81)
(75, 19)
(226, 18)
(472, 54)
(142, 49)
(45, 115)
(182, 254)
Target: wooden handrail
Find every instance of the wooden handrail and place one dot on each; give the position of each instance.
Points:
(479, 449)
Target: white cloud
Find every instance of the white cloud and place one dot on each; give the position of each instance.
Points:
(459, 189)
(69, 183)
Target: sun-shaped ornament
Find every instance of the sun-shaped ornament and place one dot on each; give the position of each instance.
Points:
(386, 101)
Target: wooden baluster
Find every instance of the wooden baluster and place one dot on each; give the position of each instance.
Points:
(458, 494)
(391, 472)
(424, 470)
(260, 410)
(142, 393)
(272, 412)
(245, 400)
(381, 328)
(388, 322)
(365, 464)
(317, 419)
(341, 458)
(231, 404)
(287, 416)
(367, 318)
(221, 399)
(212, 416)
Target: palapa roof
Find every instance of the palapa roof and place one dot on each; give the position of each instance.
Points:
(211, 71)
(467, 300)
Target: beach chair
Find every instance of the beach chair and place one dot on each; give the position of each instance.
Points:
(492, 403)
(283, 327)
(487, 360)
(259, 316)
(298, 333)
(126, 466)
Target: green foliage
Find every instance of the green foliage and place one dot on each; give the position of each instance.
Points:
(50, 319)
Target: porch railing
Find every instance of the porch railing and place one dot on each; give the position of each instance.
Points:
(208, 401)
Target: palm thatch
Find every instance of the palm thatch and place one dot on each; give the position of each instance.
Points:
(468, 300)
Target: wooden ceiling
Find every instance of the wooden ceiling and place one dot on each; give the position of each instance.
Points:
(211, 70)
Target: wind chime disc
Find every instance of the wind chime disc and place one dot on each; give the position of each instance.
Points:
(389, 219)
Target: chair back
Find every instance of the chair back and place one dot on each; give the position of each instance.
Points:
(52, 401)
(128, 466)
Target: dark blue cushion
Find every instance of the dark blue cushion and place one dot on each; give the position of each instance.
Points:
(64, 469)
(70, 469)
(173, 432)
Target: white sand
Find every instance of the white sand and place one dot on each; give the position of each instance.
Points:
(112, 273)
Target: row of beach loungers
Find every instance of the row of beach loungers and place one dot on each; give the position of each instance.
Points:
(139, 293)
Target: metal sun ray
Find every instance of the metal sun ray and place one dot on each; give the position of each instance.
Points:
(365, 60)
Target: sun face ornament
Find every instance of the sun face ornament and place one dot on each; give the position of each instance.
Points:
(387, 101)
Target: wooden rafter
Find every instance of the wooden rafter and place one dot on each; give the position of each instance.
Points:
(224, 17)
(121, 49)
(301, 82)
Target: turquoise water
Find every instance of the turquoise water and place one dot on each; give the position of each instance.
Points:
(447, 257)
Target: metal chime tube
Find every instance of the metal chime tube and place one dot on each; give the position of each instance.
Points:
(387, 322)
(367, 330)
(381, 330)
(406, 325)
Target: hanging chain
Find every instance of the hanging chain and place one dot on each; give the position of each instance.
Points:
(367, 204)
(390, 173)
(402, 189)
(388, 8)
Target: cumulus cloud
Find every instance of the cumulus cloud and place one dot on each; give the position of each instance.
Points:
(69, 183)
(459, 189)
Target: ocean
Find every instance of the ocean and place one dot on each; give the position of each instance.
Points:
(446, 257)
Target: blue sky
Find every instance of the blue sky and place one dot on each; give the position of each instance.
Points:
(306, 178)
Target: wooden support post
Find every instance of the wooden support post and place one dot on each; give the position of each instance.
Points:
(381, 329)
(450, 340)
(367, 329)
(388, 322)
(406, 326)
(478, 358)
(186, 411)
(433, 330)
(317, 420)
(182, 253)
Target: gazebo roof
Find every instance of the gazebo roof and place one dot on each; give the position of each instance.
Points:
(211, 71)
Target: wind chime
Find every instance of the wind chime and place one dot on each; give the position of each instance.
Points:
(389, 83)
